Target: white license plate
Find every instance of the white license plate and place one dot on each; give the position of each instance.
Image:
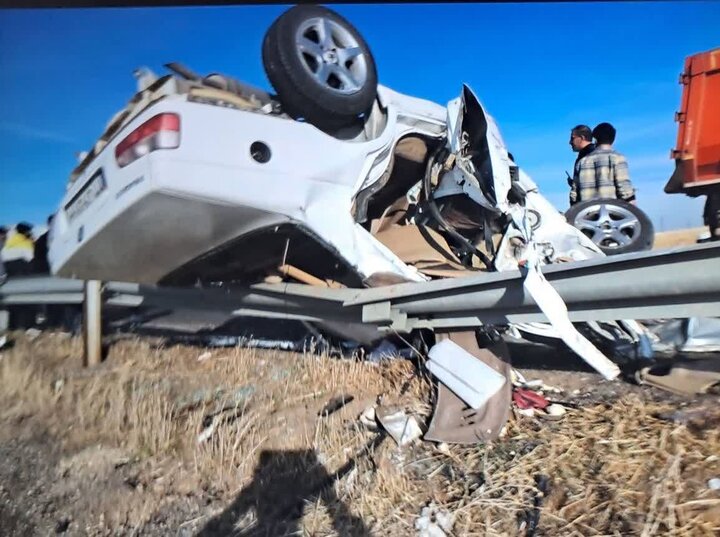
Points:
(87, 194)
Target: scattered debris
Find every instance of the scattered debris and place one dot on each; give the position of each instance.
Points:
(525, 399)
(3, 341)
(696, 334)
(714, 483)
(32, 334)
(519, 381)
(235, 401)
(601, 460)
(335, 404)
(385, 350)
(58, 386)
(527, 412)
(208, 431)
(204, 356)
(368, 419)
(683, 376)
(403, 428)
(469, 378)
(452, 421)
(212, 421)
(434, 522)
(555, 410)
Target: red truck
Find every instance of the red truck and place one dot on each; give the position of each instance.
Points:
(697, 151)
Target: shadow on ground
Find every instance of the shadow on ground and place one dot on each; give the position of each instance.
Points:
(283, 483)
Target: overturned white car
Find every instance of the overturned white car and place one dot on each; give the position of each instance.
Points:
(334, 181)
(207, 179)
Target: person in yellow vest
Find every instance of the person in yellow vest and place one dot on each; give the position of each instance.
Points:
(19, 250)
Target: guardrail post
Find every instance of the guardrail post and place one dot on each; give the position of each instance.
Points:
(4, 321)
(92, 323)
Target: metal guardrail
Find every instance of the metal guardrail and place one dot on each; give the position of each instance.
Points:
(41, 290)
(675, 283)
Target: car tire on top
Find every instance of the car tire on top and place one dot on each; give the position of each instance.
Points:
(615, 226)
(320, 67)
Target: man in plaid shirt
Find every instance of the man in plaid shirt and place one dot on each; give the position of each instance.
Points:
(602, 173)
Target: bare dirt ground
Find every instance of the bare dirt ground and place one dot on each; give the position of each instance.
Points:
(156, 441)
(677, 237)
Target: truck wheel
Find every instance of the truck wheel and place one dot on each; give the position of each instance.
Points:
(320, 66)
(615, 226)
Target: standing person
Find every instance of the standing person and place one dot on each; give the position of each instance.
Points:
(18, 252)
(604, 173)
(3, 237)
(40, 261)
(581, 143)
(711, 215)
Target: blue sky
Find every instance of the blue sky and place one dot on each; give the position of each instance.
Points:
(538, 68)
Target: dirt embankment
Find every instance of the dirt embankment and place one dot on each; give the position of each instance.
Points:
(158, 442)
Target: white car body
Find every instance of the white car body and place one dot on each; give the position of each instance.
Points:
(172, 206)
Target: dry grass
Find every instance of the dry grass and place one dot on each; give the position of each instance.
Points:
(612, 470)
(677, 237)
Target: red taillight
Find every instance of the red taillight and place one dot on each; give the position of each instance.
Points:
(159, 132)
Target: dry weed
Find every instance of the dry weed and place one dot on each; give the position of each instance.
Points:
(612, 470)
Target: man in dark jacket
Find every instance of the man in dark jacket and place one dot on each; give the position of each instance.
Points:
(40, 261)
(581, 143)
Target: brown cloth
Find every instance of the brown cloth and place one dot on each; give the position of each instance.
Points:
(453, 421)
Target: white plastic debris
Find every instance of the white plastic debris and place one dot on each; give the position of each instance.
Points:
(207, 432)
(469, 378)
(32, 333)
(527, 412)
(552, 305)
(58, 385)
(553, 412)
(367, 418)
(403, 428)
(433, 522)
(556, 410)
(536, 384)
(714, 483)
(517, 378)
(204, 356)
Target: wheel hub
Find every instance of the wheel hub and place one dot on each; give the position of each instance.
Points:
(608, 226)
(330, 56)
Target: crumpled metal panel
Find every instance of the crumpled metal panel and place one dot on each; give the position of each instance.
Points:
(695, 334)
